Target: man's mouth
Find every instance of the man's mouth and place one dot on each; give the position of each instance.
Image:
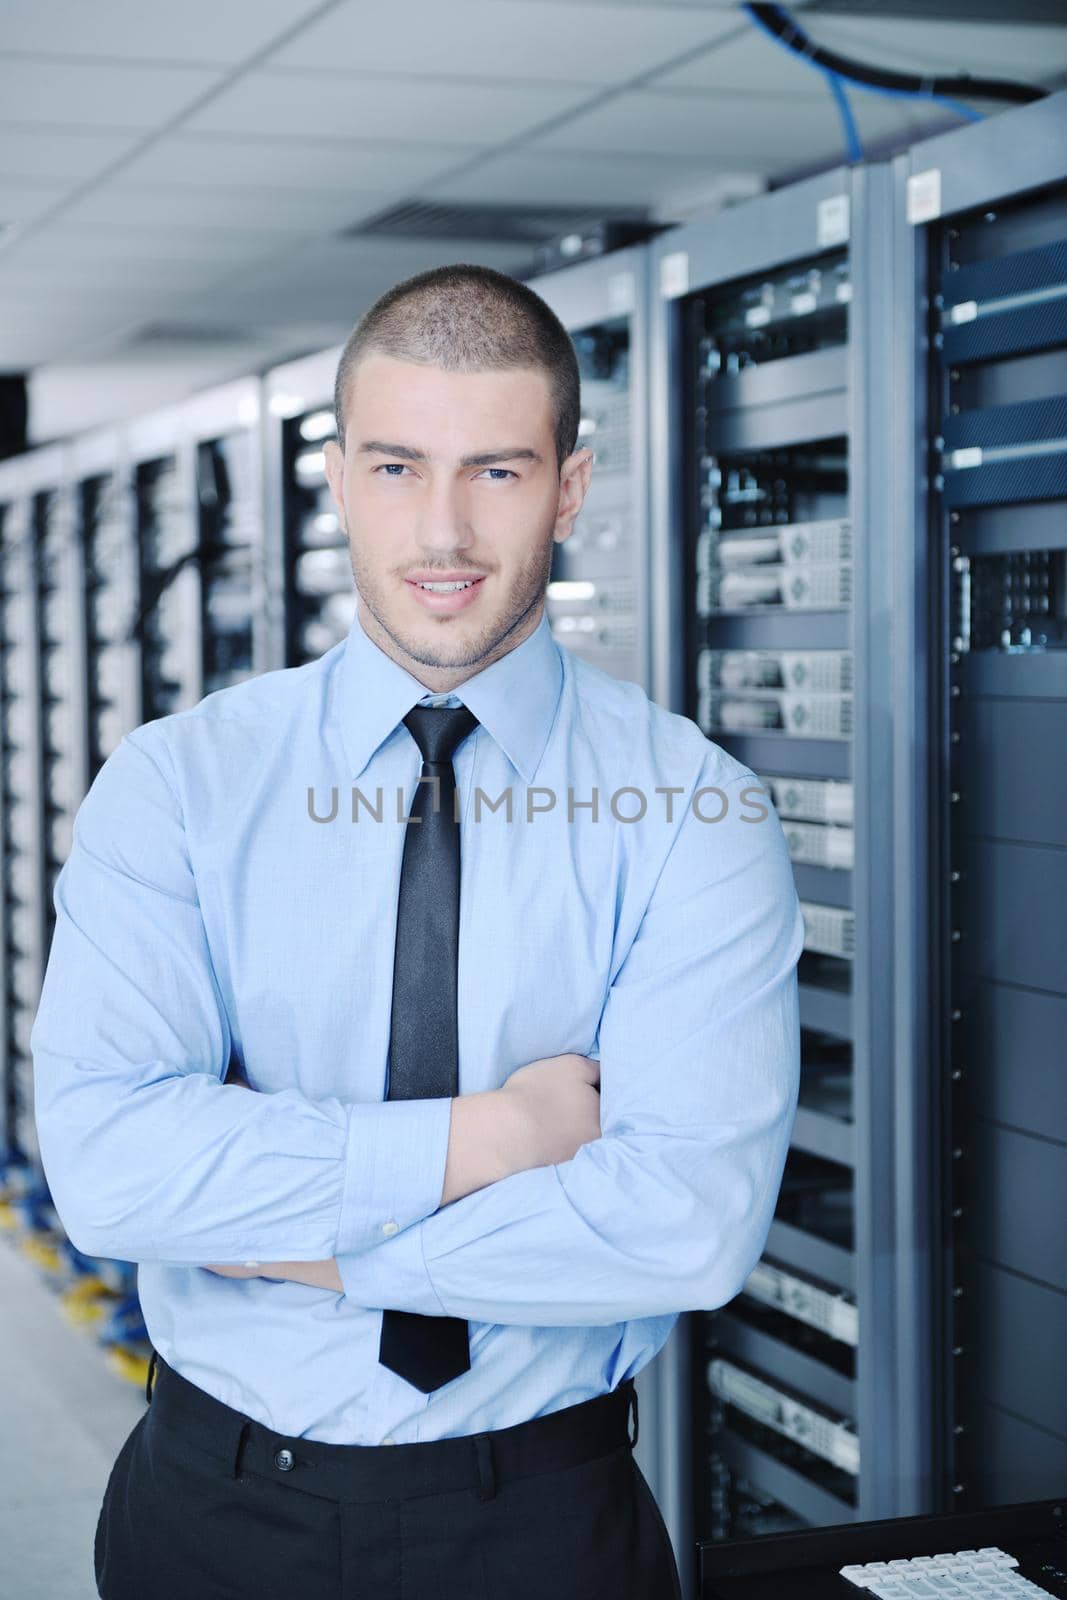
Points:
(445, 594)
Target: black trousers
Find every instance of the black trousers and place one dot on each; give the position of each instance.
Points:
(204, 1503)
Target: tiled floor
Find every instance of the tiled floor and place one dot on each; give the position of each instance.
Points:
(63, 1417)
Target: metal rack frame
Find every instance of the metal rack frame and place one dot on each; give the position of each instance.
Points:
(1004, 159)
(289, 390)
(20, 480)
(842, 392)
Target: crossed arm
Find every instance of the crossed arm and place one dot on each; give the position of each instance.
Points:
(149, 1159)
(478, 1153)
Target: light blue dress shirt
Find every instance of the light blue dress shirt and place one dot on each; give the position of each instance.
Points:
(220, 901)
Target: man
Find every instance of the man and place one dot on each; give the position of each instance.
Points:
(497, 1139)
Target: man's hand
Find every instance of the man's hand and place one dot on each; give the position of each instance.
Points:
(550, 1108)
(316, 1274)
(542, 1114)
(235, 1075)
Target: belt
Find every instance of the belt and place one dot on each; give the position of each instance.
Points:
(352, 1472)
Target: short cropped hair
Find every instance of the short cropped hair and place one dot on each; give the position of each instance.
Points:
(468, 318)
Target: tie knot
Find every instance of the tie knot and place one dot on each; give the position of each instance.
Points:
(439, 730)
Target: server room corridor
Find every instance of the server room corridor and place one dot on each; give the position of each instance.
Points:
(668, 397)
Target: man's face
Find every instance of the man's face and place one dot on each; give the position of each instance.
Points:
(451, 475)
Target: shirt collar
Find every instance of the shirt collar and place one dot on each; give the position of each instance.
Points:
(514, 698)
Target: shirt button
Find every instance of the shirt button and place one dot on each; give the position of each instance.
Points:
(284, 1461)
(389, 1439)
(390, 1228)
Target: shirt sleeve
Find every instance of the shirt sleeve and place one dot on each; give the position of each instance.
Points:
(149, 1155)
(699, 1041)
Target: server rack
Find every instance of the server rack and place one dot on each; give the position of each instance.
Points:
(22, 492)
(597, 598)
(133, 584)
(7, 1105)
(167, 627)
(981, 249)
(770, 563)
(58, 582)
(224, 426)
(195, 475)
(312, 600)
(112, 596)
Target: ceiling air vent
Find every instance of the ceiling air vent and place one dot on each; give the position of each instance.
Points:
(557, 235)
(422, 219)
(172, 333)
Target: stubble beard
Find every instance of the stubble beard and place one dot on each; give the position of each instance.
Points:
(493, 639)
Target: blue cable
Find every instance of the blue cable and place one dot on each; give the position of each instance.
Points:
(901, 94)
(837, 80)
(848, 121)
(923, 94)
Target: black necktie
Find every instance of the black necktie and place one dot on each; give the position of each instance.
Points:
(423, 1042)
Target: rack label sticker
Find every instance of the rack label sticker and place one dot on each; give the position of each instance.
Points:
(923, 200)
(674, 274)
(832, 221)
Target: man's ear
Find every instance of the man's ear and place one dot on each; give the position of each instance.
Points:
(574, 479)
(335, 476)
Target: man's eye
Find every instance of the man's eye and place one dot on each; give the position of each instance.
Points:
(393, 469)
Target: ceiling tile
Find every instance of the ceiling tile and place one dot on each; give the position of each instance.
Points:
(52, 334)
(61, 245)
(22, 202)
(579, 43)
(213, 161)
(34, 89)
(224, 31)
(311, 104)
(750, 63)
(75, 154)
(529, 178)
(296, 211)
(75, 306)
(731, 129)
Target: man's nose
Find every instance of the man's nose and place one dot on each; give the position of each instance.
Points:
(444, 518)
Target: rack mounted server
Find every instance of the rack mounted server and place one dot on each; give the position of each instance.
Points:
(982, 305)
(132, 583)
(770, 552)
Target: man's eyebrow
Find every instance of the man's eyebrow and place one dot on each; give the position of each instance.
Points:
(484, 458)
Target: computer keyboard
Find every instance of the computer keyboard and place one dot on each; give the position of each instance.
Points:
(992, 1553)
(987, 1574)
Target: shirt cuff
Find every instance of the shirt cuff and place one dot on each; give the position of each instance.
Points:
(394, 1277)
(395, 1158)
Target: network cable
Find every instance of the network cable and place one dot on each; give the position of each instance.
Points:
(840, 70)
